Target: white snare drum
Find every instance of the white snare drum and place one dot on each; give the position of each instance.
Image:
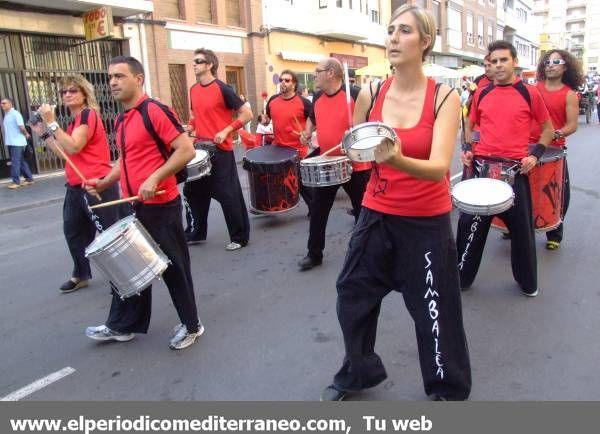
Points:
(324, 171)
(128, 256)
(200, 166)
(359, 142)
(483, 196)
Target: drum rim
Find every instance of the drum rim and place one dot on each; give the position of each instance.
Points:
(482, 209)
(129, 220)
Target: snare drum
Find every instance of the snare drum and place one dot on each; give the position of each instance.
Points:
(547, 183)
(325, 171)
(360, 142)
(273, 179)
(207, 146)
(128, 256)
(483, 196)
(199, 167)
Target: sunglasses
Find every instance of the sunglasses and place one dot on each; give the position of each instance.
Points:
(286, 80)
(554, 62)
(199, 61)
(71, 91)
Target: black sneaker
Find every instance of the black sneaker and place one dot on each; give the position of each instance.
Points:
(436, 397)
(70, 286)
(309, 262)
(192, 239)
(332, 393)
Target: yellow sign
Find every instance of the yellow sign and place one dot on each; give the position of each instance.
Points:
(98, 23)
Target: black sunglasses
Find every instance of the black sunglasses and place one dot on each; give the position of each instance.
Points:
(199, 61)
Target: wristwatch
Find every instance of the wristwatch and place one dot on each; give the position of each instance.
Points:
(53, 126)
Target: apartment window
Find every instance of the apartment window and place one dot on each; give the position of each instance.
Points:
(350, 4)
(233, 13)
(436, 10)
(204, 11)
(338, 3)
(480, 40)
(454, 28)
(490, 34)
(470, 36)
(170, 9)
(322, 4)
(375, 16)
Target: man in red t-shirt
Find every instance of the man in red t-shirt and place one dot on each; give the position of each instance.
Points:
(289, 112)
(330, 117)
(504, 110)
(142, 171)
(213, 104)
(558, 75)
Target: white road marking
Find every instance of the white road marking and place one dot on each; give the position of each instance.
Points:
(38, 385)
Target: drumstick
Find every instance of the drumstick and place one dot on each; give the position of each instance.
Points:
(330, 150)
(348, 103)
(297, 121)
(119, 201)
(74, 167)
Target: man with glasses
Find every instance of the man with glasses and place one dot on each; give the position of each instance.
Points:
(558, 75)
(330, 117)
(289, 112)
(15, 137)
(504, 111)
(213, 104)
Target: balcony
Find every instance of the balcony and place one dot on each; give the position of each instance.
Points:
(120, 8)
(342, 24)
(575, 18)
(576, 3)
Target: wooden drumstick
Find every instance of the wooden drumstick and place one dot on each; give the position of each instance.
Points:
(329, 151)
(74, 167)
(119, 201)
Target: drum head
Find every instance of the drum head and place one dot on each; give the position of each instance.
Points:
(482, 192)
(201, 155)
(109, 235)
(266, 159)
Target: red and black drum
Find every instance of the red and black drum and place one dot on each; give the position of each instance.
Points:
(273, 179)
(547, 183)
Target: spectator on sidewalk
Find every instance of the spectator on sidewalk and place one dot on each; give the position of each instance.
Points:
(15, 137)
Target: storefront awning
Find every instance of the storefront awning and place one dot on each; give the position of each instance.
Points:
(300, 56)
(120, 8)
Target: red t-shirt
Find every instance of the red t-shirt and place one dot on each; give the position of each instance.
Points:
(556, 103)
(289, 118)
(330, 116)
(93, 161)
(504, 116)
(392, 191)
(213, 106)
(482, 81)
(142, 156)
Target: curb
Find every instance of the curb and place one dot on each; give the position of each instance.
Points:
(31, 205)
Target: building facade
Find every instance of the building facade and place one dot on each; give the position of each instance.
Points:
(41, 41)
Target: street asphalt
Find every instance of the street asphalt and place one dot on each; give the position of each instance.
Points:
(272, 331)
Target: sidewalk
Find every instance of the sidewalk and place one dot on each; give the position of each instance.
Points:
(47, 188)
(50, 188)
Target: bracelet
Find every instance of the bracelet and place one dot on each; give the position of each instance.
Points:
(538, 151)
(236, 125)
(467, 147)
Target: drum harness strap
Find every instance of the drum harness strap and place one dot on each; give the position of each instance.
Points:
(435, 113)
(182, 175)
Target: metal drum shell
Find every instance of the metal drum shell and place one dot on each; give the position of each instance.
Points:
(490, 208)
(369, 132)
(200, 166)
(325, 171)
(131, 260)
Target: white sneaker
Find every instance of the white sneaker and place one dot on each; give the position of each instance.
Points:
(103, 333)
(183, 339)
(233, 246)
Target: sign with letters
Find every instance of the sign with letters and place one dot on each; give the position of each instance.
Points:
(98, 23)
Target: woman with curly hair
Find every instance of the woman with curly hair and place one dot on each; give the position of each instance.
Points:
(559, 74)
